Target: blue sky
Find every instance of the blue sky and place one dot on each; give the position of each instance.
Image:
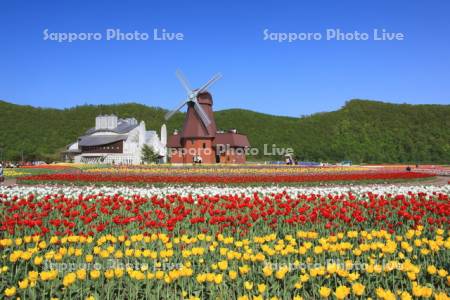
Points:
(292, 79)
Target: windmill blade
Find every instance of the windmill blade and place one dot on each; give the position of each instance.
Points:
(202, 114)
(171, 113)
(184, 81)
(209, 83)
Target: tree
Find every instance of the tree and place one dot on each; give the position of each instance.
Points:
(149, 155)
(369, 131)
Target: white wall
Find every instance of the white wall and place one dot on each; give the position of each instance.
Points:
(132, 145)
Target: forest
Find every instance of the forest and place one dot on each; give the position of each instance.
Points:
(362, 131)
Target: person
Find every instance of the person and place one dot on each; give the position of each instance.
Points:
(196, 159)
(1, 173)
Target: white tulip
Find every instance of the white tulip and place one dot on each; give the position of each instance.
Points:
(74, 191)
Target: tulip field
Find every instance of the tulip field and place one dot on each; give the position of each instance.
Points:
(260, 174)
(224, 242)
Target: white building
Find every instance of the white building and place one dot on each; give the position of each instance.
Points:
(114, 141)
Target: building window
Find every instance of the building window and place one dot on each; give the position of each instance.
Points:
(204, 145)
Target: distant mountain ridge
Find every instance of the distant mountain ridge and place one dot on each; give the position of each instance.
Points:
(361, 131)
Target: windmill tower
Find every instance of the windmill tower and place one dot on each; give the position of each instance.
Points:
(199, 129)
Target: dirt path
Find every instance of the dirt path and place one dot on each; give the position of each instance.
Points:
(441, 180)
(438, 180)
(9, 181)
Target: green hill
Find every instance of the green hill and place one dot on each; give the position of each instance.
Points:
(362, 131)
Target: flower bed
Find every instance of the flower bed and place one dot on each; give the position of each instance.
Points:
(212, 178)
(228, 170)
(26, 171)
(230, 243)
(50, 167)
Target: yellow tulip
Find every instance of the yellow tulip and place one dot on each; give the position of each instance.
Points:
(342, 292)
(267, 271)
(38, 260)
(232, 275)
(431, 269)
(69, 279)
(94, 274)
(218, 279)
(244, 269)
(281, 273)
(81, 274)
(223, 265)
(248, 285)
(23, 284)
(358, 289)
(9, 292)
(405, 296)
(118, 273)
(324, 292)
(440, 296)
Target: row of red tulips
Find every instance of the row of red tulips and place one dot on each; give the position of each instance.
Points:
(237, 214)
(242, 178)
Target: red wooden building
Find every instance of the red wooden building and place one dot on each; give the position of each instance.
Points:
(199, 138)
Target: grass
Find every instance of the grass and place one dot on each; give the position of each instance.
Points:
(287, 184)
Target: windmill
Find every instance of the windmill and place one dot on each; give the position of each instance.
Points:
(192, 100)
(199, 141)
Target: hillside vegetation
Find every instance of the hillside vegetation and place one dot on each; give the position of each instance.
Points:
(361, 131)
